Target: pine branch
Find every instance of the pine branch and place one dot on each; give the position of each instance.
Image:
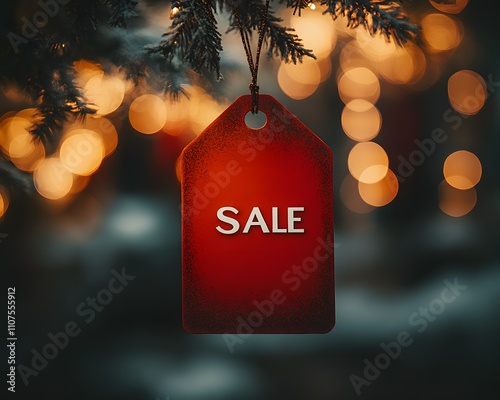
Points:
(121, 11)
(84, 15)
(163, 76)
(280, 41)
(377, 16)
(14, 178)
(297, 5)
(74, 98)
(193, 37)
(58, 98)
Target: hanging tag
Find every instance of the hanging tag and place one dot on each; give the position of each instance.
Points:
(257, 226)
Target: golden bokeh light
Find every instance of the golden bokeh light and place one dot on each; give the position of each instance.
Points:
(450, 7)
(21, 145)
(307, 27)
(102, 126)
(361, 120)
(173, 12)
(11, 128)
(86, 70)
(325, 68)
(397, 69)
(4, 202)
(203, 109)
(405, 66)
(467, 92)
(52, 180)
(341, 27)
(106, 130)
(380, 193)
(6, 116)
(419, 62)
(17, 143)
(294, 89)
(376, 47)
(177, 115)
(359, 83)
(25, 152)
(105, 92)
(368, 162)
(29, 113)
(349, 194)
(306, 72)
(456, 202)
(351, 57)
(440, 32)
(462, 170)
(82, 151)
(148, 114)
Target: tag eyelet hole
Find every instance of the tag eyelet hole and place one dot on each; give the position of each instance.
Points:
(255, 121)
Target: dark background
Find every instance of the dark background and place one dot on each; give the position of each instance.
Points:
(389, 262)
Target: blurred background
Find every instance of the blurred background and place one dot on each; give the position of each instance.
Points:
(414, 133)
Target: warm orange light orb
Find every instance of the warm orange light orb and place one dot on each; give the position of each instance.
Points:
(406, 65)
(148, 114)
(440, 32)
(450, 7)
(86, 70)
(307, 27)
(10, 128)
(52, 180)
(368, 162)
(380, 193)
(106, 93)
(82, 152)
(361, 120)
(376, 48)
(455, 202)
(462, 170)
(294, 89)
(467, 92)
(359, 83)
(349, 194)
(25, 152)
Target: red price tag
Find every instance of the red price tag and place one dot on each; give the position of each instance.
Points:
(257, 226)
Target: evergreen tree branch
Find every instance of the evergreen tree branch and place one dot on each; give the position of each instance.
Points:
(280, 41)
(121, 11)
(297, 5)
(14, 178)
(84, 16)
(58, 98)
(193, 37)
(376, 16)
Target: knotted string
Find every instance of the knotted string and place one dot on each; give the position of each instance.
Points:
(254, 66)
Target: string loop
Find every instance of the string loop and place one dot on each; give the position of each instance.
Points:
(254, 66)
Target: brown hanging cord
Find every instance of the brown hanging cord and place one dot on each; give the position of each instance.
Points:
(254, 67)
